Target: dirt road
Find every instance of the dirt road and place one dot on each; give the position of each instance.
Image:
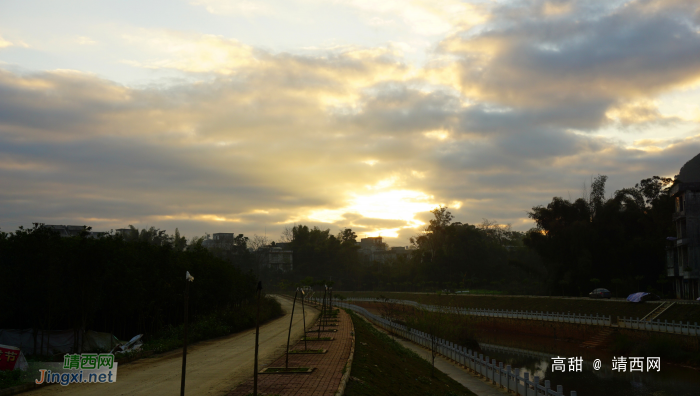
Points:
(213, 367)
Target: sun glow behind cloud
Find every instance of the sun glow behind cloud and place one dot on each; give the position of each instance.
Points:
(401, 205)
(393, 205)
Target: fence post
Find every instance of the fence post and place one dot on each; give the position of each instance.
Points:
(508, 374)
(500, 374)
(527, 384)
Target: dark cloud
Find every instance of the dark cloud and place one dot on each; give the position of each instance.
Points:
(571, 69)
(297, 135)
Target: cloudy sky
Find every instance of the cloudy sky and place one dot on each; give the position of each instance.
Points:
(249, 116)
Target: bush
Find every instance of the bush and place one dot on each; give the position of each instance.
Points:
(9, 379)
(217, 324)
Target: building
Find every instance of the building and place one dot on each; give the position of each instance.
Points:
(276, 256)
(123, 231)
(374, 249)
(222, 245)
(220, 240)
(372, 243)
(73, 230)
(683, 250)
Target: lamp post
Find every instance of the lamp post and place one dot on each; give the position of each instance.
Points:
(289, 335)
(331, 300)
(303, 315)
(188, 278)
(322, 323)
(257, 333)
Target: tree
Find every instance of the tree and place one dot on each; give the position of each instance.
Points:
(502, 233)
(347, 237)
(258, 241)
(442, 218)
(144, 305)
(287, 234)
(654, 187)
(597, 196)
(179, 242)
(618, 238)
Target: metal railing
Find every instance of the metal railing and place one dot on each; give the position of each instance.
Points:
(658, 325)
(598, 320)
(504, 377)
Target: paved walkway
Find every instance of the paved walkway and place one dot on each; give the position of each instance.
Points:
(324, 380)
(470, 381)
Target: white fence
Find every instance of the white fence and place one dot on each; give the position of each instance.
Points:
(657, 325)
(494, 371)
(597, 320)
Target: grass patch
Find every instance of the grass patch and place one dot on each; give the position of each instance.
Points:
(382, 367)
(10, 378)
(682, 312)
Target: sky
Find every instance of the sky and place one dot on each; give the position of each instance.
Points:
(252, 116)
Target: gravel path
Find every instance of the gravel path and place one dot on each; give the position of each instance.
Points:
(214, 367)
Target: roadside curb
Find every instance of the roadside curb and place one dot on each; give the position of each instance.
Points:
(348, 365)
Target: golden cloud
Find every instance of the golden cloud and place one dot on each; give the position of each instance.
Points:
(197, 53)
(635, 112)
(426, 17)
(4, 43)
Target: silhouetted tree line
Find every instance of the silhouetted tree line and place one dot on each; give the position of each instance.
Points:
(122, 284)
(617, 243)
(446, 255)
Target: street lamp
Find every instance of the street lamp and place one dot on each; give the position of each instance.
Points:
(188, 278)
(257, 334)
(303, 314)
(291, 318)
